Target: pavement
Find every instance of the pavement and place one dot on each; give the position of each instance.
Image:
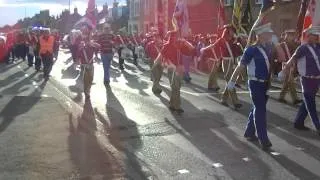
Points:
(125, 132)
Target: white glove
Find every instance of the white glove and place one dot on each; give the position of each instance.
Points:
(231, 85)
(281, 75)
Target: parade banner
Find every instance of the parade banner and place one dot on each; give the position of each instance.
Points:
(221, 15)
(247, 17)
(90, 18)
(237, 16)
(180, 19)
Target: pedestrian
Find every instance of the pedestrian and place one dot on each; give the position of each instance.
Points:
(307, 58)
(56, 45)
(106, 41)
(121, 47)
(289, 46)
(258, 60)
(85, 53)
(37, 63)
(31, 42)
(46, 53)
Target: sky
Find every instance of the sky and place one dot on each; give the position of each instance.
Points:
(13, 10)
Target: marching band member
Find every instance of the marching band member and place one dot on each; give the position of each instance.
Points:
(171, 54)
(258, 58)
(289, 46)
(307, 58)
(86, 50)
(228, 51)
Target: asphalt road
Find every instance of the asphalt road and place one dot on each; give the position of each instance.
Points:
(133, 135)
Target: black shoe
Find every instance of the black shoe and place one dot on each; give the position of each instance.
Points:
(176, 110)
(252, 138)
(282, 100)
(156, 91)
(237, 106)
(266, 146)
(106, 83)
(301, 127)
(224, 103)
(238, 86)
(216, 89)
(297, 101)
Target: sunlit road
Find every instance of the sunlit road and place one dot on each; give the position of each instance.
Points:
(127, 132)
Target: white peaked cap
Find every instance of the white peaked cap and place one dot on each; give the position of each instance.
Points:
(265, 28)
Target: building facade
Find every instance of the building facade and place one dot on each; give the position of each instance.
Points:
(203, 14)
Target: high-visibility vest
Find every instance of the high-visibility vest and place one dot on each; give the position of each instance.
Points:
(46, 45)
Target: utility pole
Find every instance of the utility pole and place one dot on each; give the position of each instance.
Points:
(69, 6)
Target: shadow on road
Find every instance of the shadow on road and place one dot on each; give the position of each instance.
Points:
(209, 133)
(292, 137)
(5, 67)
(119, 128)
(86, 153)
(19, 105)
(135, 83)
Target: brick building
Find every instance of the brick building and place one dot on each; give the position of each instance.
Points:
(204, 14)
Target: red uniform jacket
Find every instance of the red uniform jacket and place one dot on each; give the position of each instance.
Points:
(152, 50)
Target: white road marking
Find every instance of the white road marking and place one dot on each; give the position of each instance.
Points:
(34, 83)
(26, 75)
(19, 66)
(246, 159)
(275, 153)
(183, 171)
(299, 148)
(44, 95)
(217, 165)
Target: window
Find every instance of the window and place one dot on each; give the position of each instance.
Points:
(228, 2)
(258, 1)
(136, 8)
(131, 8)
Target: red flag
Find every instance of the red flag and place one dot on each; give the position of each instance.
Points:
(312, 17)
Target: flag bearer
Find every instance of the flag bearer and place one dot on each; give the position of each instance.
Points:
(86, 51)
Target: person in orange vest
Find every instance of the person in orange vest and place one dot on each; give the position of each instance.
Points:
(46, 52)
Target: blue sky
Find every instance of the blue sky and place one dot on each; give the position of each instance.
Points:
(13, 10)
